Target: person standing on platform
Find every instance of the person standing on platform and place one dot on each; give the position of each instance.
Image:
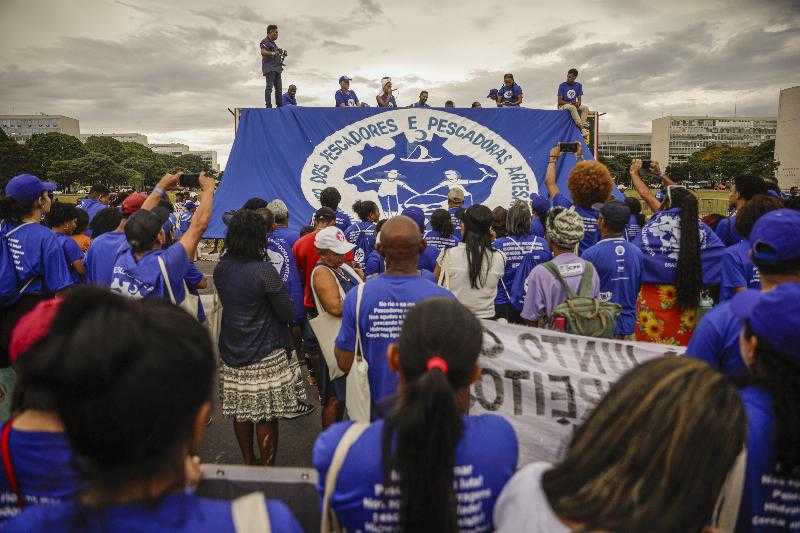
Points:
(272, 66)
(345, 97)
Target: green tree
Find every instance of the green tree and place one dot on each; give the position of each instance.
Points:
(618, 165)
(680, 172)
(90, 169)
(15, 159)
(108, 146)
(53, 146)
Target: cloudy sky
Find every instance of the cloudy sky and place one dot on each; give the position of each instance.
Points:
(171, 69)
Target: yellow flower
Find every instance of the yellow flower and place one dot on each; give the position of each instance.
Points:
(654, 329)
(667, 294)
(689, 319)
(645, 317)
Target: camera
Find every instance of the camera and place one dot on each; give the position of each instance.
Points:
(189, 180)
(280, 56)
(571, 148)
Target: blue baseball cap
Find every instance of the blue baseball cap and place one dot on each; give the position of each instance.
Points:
(344, 78)
(416, 214)
(778, 329)
(614, 211)
(540, 204)
(775, 237)
(27, 187)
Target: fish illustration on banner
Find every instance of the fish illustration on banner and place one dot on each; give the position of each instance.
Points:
(397, 158)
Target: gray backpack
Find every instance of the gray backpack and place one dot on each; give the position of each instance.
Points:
(585, 315)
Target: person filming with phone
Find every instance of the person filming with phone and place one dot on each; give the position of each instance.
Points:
(146, 270)
(272, 66)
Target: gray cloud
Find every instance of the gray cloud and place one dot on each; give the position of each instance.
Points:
(370, 7)
(337, 47)
(550, 42)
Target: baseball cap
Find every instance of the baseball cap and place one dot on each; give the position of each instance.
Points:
(344, 78)
(614, 211)
(132, 203)
(32, 327)
(492, 94)
(540, 204)
(456, 193)
(333, 239)
(27, 187)
(143, 226)
(416, 214)
(775, 237)
(779, 330)
(324, 213)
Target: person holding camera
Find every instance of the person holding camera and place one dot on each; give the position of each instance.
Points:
(272, 66)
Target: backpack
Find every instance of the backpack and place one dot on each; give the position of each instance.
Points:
(585, 315)
(11, 286)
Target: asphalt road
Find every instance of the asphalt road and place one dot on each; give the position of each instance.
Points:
(295, 437)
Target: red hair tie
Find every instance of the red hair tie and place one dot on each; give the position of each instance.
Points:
(437, 362)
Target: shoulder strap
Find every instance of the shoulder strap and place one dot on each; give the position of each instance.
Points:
(443, 281)
(314, 290)
(5, 451)
(351, 271)
(359, 296)
(510, 238)
(339, 455)
(165, 275)
(553, 269)
(727, 508)
(250, 514)
(585, 288)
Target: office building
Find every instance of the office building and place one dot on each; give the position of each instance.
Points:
(22, 127)
(787, 139)
(137, 138)
(179, 149)
(634, 145)
(676, 138)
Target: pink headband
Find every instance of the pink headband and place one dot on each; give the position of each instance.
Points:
(437, 362)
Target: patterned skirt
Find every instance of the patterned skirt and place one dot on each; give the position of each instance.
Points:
(660, 319)
(267, 390)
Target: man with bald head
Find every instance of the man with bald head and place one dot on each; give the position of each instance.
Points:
(384, 302)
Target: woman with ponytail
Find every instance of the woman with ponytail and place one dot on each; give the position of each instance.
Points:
(428, 454)
(473, 269)
(362, 233)
(681, 256)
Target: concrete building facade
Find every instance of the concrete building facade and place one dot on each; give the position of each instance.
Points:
(675, 138)
(22, 127)
(179, 149)
(121, 137)
(634, 145)
(787, 140)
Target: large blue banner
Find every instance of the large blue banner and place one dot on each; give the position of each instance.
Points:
(395, 157)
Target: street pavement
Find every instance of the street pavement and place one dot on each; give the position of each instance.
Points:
(295, 437)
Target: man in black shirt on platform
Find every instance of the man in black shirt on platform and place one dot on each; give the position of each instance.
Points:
(272, 66)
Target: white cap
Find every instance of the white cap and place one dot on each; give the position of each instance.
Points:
(333, 239)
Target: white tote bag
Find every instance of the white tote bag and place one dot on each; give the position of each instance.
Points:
(190, 303)
(330, 522)
(326, 327)
(358, 398)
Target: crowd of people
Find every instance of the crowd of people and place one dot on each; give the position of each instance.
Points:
(383, 318)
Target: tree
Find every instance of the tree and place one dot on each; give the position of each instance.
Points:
(680, 172)
(618, 165)
(54, 146)
(108, 146)
(90, 169)
(15, 159)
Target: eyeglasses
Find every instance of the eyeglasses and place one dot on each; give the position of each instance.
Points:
(669, 191)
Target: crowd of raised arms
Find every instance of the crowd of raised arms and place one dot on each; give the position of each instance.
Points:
(103, 332)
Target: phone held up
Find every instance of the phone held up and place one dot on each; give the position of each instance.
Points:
(189, 180)
(568, 147)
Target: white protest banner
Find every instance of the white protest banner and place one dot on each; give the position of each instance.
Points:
(545, 382)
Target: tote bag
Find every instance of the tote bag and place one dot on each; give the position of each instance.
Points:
(358, 397)
(190, 303)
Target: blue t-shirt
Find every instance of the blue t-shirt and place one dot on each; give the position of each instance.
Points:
(279, 250)
(738, 270)
(509, 94)
(175, 512)
(37, 251)
(288, 99)
(419, 104)
(192, 278)
(454, 211)
(143, 279)
(434, 238)
(91, 206)
(374, 264)
(726, 231)
(716, 341)
(72, 253)
(591, 234)
(181, 222)
(427, 258)
(362, 234)
(619, 266)
(660, 243)
(570, 92)
(770, 496)
(537, 228)
(348, 98)
(515, 248)
(486, 458)
(633, 229)
(42, 462)
(385, 301)
(102, 255)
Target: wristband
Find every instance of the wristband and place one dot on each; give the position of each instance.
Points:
(158, 190)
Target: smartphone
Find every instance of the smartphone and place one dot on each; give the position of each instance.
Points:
(568, 147)
(189, 180)
(646, 164)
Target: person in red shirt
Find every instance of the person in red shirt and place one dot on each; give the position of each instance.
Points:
(306, 255)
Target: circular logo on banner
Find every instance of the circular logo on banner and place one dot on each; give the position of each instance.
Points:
(413, 157)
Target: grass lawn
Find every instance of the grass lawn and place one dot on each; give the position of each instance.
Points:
(711, 201)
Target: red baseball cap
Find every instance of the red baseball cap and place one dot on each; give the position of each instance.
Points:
(133, 203)
(32, 327)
